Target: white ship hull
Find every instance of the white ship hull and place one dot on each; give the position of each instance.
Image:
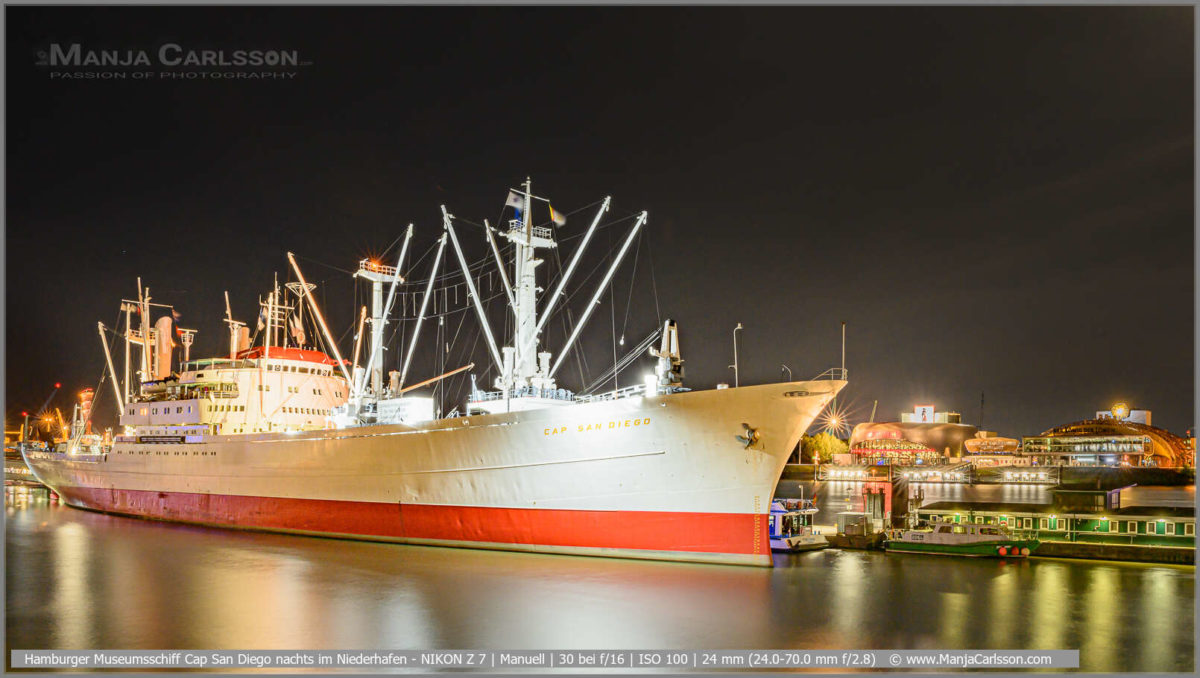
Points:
(660, 477)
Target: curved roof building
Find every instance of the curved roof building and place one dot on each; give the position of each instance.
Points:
(942, 439)
(1135, 443)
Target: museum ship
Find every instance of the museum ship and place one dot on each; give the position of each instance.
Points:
(276, 435)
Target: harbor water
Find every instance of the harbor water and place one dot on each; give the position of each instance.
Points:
(82, 580)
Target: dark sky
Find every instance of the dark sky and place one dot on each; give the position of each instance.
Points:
(995, 200)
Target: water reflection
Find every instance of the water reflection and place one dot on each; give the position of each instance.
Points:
(952, 615)
(79, 579)
(1102, 615)
(72, 598)
(1001, 598)
(1050, 606)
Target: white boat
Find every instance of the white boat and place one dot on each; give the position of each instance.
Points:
(792, 528)
(284, 437)
(950, 538)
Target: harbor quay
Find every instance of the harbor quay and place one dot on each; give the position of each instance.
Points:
(1150, 523)
(1056, 494)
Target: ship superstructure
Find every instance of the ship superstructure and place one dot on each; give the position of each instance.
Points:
(285, 436)
(277, 385)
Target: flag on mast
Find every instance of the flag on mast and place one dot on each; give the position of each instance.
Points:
(516, 201)
(556, 217)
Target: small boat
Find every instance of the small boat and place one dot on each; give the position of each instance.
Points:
(962, 539)
(792, 527)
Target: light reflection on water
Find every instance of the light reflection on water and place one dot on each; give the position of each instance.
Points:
(81, 580)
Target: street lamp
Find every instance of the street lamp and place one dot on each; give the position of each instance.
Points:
(783, 367)
(735, 356)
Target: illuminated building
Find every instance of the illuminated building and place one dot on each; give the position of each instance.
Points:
(921, 437)
(1119, 439)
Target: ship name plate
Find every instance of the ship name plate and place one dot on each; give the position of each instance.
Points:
(597, 427)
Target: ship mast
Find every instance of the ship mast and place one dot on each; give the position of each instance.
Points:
(521, 360)
(378, 274)
(522, 365)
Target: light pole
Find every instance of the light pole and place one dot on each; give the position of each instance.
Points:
(735, 355)
(783, 367)
(843, 349)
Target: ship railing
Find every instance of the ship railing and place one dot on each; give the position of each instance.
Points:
(538, 231)
(627, 392)
(368, 266)
(524, 392)
(834, 374)
(558, 394)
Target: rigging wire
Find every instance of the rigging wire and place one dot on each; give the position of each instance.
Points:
(624, 362)
(632, 283)
(653, 281)
(612, 314)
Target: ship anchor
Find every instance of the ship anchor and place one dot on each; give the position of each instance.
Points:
(750, 438)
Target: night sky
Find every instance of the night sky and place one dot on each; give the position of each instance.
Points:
(995, 200)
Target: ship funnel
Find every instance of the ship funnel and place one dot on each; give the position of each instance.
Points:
(243, 339)
(85, 408)
(162, 349)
